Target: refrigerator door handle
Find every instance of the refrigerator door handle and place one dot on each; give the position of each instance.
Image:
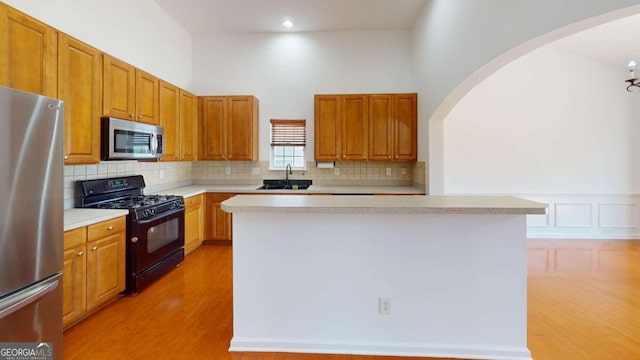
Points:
(24, 298)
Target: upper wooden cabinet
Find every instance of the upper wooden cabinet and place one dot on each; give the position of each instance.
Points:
(366, 127)
(405, 127)
(129, 93)
(229, 128)
(188, 126)
(170, 120)
(28, 53)
(393, 127)
(80, 87)
(341, 127)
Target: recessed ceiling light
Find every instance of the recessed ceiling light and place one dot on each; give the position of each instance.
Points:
(287, 23)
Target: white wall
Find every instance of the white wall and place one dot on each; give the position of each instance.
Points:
(556, 128)
(138, 32)
(547, 122)
(285, 70)
(458, 43)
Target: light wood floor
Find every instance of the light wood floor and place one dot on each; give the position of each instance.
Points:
(584, 303)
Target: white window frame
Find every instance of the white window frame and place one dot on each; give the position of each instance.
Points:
(272, 154)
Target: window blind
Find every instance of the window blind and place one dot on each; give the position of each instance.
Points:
(288, 132)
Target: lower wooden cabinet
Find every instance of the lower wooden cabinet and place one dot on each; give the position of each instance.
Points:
(94, 268)
(217, 221)
(193, 223)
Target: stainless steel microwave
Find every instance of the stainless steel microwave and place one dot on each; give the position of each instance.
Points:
(127, 140)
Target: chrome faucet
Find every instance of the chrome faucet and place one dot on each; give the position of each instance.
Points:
(287, 172)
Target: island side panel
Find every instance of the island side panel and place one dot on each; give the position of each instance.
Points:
(311, 283)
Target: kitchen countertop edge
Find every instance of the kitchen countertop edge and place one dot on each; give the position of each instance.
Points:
(507, 205)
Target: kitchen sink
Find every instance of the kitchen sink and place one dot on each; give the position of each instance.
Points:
(280, 184)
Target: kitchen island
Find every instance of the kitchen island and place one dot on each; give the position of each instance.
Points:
(434, 276)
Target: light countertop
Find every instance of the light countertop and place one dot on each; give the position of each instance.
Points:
(75, 218)
(358, 204)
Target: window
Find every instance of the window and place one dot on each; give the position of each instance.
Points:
(288, 140)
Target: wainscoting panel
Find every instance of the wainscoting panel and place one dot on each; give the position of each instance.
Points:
(584, 216)
(617, 215)
(574, 215)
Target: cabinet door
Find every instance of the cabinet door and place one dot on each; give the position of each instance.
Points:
(380, 127)
(28, 53)
(327, 127)
(74, 278)
(80, 87)
(193, 223)
(241, 123)
(189, 134)
(74, 284)
(217, 222)
(405, 127)
(146, 98)
(212, 118)
(170, 120)
(119, 89)
(105, 269)
(355, 126)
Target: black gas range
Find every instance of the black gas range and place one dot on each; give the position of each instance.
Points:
(155, 225)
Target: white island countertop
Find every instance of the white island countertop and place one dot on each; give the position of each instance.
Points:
(400, 204)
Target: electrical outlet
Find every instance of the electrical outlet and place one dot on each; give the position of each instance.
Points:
(336, 171)
(384, 306)
(404, 171)
(255, 171)
(227, 170)
(161, 173)
(388, 171)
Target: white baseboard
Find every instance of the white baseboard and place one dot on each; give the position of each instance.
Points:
(383, 349)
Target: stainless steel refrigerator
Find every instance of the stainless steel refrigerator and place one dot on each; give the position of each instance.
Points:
(31, 219)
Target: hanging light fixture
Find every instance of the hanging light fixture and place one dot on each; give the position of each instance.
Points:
(633, 80)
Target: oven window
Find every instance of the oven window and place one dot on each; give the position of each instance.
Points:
(162, 234)
(132, 142)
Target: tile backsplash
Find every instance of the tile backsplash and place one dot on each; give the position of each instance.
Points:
(165, 174)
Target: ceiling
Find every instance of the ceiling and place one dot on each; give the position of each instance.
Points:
(614, 43)
(243, 16)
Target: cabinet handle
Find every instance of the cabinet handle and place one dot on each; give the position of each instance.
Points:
(134, 239)
(110, 227)
(94, 248)
(81, 253)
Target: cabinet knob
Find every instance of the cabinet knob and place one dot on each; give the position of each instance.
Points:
(396, 156)
(139, 116)
(110, 227)
(134, 239)
(337, 156)
(66, 157)
(389, 157)
(80, 253)
(94, 248)
(193, 201)
(131, 115)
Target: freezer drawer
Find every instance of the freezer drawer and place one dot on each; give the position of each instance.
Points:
(34, 314)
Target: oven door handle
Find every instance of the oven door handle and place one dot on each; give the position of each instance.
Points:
(161, 216)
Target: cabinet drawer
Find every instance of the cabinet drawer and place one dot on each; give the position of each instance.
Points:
(74, 238)
(193, 201)
(106, 228)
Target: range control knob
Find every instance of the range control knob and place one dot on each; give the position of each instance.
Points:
(152, 211)
(146, 213)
